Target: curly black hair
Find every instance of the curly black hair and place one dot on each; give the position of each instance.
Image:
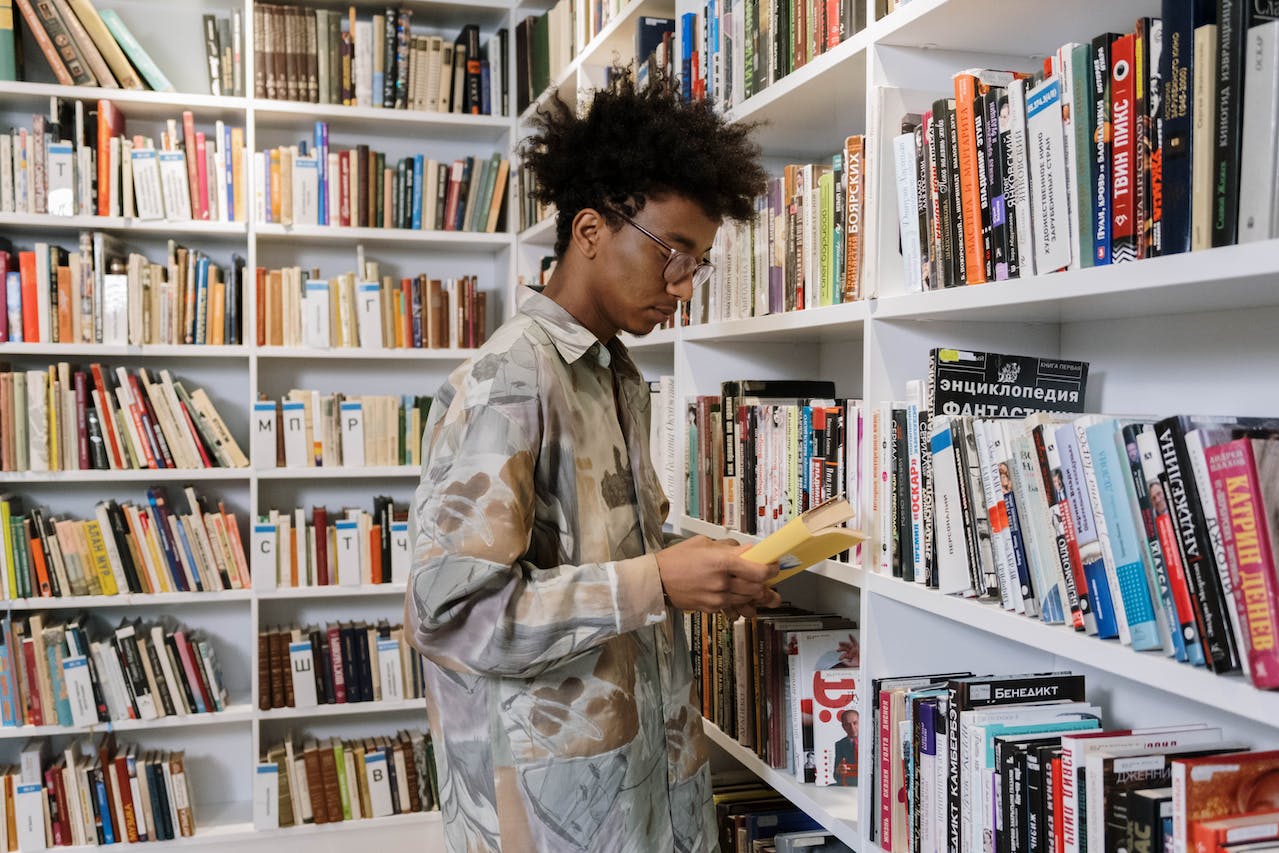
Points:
(633, 144)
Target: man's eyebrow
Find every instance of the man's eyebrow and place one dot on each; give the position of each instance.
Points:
(685, 243)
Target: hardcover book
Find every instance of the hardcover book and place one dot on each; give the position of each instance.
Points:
(963, 382)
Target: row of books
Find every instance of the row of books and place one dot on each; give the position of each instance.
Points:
(733, 50)
(150, 547)
(1158, 532)
(62, 419)
(332, 780)
(531, 211)
(762, 680)
(1128, 147)
(78, 160)
(224, 53)
(54, 673)
(336, 664)
(311, 185)
(546, 44)
(309, 429)
(765, 451)
(98, 794)
(350, 548)
(1024, 763)
(298, 307)
(83, 47)
(102, 293)
(753, 818)
(325, 57)
(803, 250)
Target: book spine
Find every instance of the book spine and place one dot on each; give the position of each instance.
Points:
(1123, 168)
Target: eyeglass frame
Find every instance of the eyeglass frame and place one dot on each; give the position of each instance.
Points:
(699, 263)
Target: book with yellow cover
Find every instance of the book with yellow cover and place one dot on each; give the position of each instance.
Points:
(809, 538)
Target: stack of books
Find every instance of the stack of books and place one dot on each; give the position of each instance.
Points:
(124, 548)
(353, 548)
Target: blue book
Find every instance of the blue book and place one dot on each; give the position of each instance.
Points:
(1118, 508)
(688, 37)
(486, 104)
(58, 686)
(104, 808)
(185, 542)
(1176, 61)
(1081, 512)
(418, 163)
(805, 462)
(8, 703)
(160, 515)
(266, 185)
(322, 154)
(228, 173)
(201, 301)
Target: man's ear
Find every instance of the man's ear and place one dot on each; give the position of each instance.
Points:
(589, 229)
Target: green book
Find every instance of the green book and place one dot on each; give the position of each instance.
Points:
(339, 758)
(825, 245)
(8, 42)
(140, 58)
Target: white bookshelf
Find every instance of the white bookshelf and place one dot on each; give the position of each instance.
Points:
(1189, 333)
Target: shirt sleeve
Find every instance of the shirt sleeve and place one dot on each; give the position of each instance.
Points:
(474, 604)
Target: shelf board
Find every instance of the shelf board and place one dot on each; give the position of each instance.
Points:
(332, 591)
(436, 125)
(832, 322)
(131, 475)
(45, 221)
(1231, 694)
(451, 240)
(134, 103)
(1230, 277)
(809, 112)
(239, 713)
(128, 599)
(615, 37)
(123, 350)
(348, 709)
(658, 339)
(541, 234)
(363, 354)
(1036, 28)
(845, 573)
(383, 472)
(415, 819)
(833, 807)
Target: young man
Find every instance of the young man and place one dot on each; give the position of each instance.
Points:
(559, 683)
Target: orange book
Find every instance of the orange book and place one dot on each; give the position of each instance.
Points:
(388, 193)
(37, 557)
(259, 299)
(293, 556)
(276, 188)
(406, 311)
(375, 554)
(11, 814)
(199, 203)
(30, 297)
(66, 333)
(854, 192)
(275, 308)
(217, 314)
(110, 125)
(397, 318)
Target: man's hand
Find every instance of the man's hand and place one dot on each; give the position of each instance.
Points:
(708, 575)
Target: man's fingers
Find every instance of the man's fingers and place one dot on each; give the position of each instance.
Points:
(757, 572)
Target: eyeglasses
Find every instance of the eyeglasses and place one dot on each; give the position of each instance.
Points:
(679, 265)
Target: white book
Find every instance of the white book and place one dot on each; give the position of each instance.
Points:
(1201, 142)
(43, 286)
(75, 673)
(953, 570)
(126, 178)
(368, 314)
(61, 179)
(347, 538)
(263, 559)
(401, 556)
(315, 314)
(146, 184)
(6, 174)
(174, 186)
(259, 186)
(352, 434)
(388, 657)
(379, 782)
(29, 803)
(23, 160)
(335, 188)
(905, 162)
(113, 180)
(306, 190)
(363, 65)
(84, 180)
(114, 300)
(1049, 203)
(264, 426)
(1259, 152)
(38, 420)
(217, 188)
(266, 797)
(302, 671)
(296, 453)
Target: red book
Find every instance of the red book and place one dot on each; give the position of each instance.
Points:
(150, 424)
(1059, 835)
(1249, 544)
(1123, 87)
(6, 266)
(320, 520)
(344, 186)
(202, 173)
(406, 316)
(34, 708)
(451, 200)
(1221, 835)
(195, 436)
(335, 663)
(56, 795)
(198, 204)
(30, 297)
(110, 125)
(120, 766)
(190, 659)
(113, 439)
(832, 23)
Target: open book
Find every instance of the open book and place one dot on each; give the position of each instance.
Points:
(810, 538)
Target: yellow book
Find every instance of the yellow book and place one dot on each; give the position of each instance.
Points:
(101, 561)
(6, 536)
(808, 539)
(51, 406)
(237, 174)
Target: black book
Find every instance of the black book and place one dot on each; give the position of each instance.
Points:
(135, 679)
(984, 191)
(1000, 233)
(393, 775)
(1010, 208)
(1099, 167)
(1181, 18)
(963, 382)
(161, 683)
(389, 48)
(367, 661)
(175, 661)
(164, 820)
(472, 93)
(323, 675)
(958, 254)
(441, 195)
(523, 93)
(972, 502)
(97, 445)
(965, 694)
(939, 163)
(1010, 766)
(902, 556)
(1148, 809)
(1149, 42)
(1033, 776)
(354, 693)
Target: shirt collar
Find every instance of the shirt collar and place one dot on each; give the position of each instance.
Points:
(571, 338)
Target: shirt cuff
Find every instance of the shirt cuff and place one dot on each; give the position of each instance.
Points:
(638, 593)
